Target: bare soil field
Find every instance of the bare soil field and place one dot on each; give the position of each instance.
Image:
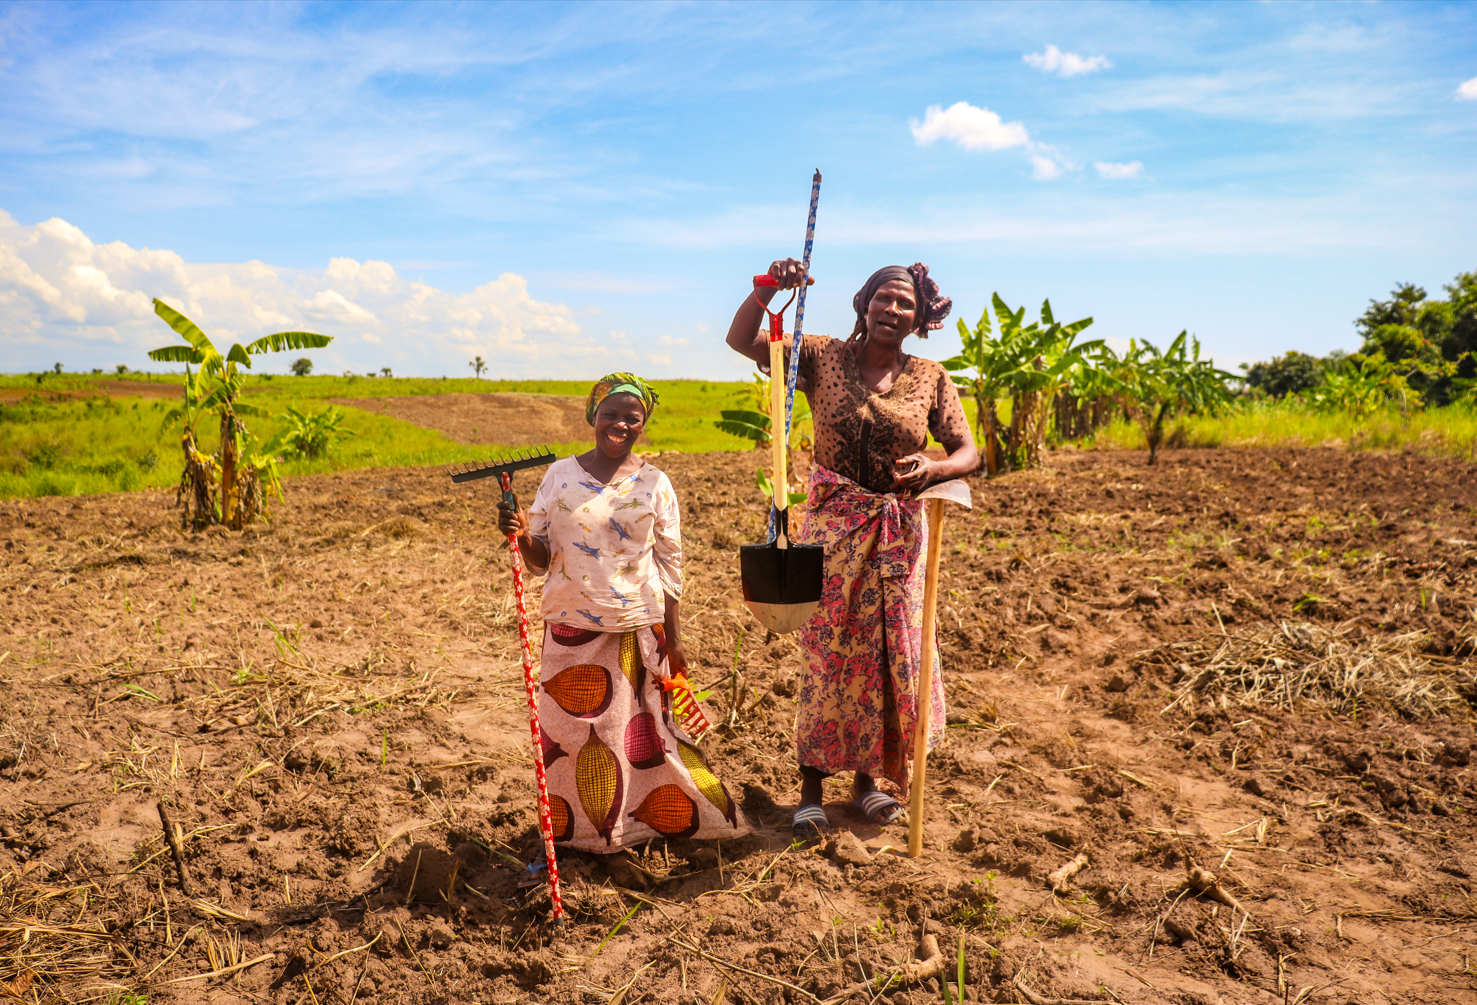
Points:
(509, 417)
(1252, 664)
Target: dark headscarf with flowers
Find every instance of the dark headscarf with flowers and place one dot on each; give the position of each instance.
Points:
(620, 383)
(932, 308)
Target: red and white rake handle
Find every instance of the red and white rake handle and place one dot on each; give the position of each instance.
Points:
(530, 684)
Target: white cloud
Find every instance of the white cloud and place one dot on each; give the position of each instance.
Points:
(1107, 169)
(60, 292)
(1468, 91)
(1044, 168)
(658, 359)
(1065, 64)
(981, 129)
(331, 305)
(668, 340)
(970, 127)
(618, 336)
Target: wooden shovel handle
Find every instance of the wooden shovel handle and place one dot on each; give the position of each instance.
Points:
(925, 678)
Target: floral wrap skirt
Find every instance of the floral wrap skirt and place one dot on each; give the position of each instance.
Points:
(859, 698)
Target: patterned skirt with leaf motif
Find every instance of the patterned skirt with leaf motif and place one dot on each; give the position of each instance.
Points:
(620, 768)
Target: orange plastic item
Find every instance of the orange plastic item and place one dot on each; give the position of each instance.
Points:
(686, 706)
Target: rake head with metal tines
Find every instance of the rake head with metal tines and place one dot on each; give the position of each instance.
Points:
(685, 705)
(533, 457)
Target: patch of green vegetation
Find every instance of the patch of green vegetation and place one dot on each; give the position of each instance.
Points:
(63, 437)
(1447, 431)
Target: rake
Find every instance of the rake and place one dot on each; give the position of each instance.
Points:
(502, 469)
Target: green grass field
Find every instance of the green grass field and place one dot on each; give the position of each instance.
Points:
(60, 436)
(101, 443)
(1450, 431)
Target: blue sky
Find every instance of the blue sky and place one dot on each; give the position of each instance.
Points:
(569, 189)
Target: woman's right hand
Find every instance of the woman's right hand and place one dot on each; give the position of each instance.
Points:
(788, 271)
(747, 333)
(511, 521)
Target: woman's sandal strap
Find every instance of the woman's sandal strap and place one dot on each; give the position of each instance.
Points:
(874, 803)
(810, 821)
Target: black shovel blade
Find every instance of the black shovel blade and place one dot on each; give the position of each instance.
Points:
(782, 586)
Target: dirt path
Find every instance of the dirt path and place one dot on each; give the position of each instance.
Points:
(509, 418)
(332, 708)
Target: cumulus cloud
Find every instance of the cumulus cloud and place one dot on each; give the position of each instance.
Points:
(668, 340)
(1109, 170)
(978, 129)
(970, 127)
(1065, 64)
(1468, 91)
(62, 294)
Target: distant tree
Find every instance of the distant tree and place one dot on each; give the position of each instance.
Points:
(1401, 309)
(1284, 375)
(386, 371)
(302, 367)
(57, 367)
(1459, 339)
(121, 368)
(478, 365)
(1428, 342)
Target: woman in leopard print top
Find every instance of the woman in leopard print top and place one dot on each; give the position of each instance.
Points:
(873, 407)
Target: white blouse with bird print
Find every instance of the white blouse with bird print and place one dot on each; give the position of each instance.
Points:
(615, 550)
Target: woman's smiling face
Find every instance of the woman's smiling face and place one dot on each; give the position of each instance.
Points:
(619, 422)
(892, 313)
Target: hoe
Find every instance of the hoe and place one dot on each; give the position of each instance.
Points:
(502, 470)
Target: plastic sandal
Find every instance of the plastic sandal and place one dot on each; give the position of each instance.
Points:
(878, 807)
(533, 874)
(809, 822)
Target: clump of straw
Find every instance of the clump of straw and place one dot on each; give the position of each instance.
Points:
(1305, 664)
(48, 961)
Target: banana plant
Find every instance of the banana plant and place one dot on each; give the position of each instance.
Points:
(1029, 364)
(754, 423)
(214, 388)
(1364, 384)
(311, 435)
(1162, 385)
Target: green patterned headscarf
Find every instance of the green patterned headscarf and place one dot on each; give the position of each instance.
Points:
(620, 383)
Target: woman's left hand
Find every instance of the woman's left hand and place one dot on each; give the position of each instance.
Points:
(922, 473)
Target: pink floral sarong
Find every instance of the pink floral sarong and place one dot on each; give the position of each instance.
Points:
(858, 702)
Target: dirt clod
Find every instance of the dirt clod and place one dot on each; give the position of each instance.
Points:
(848, 849)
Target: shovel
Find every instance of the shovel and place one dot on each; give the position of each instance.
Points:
(955, 490)
(782, 580)
(502, 470)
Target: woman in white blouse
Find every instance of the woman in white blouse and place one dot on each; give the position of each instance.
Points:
(605, 530)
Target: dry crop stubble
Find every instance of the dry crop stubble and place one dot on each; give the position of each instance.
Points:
(319, 698)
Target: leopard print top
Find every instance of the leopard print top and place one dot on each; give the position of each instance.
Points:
(859, 434)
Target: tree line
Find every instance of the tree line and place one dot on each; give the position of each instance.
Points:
(1415, 351)
(1036, 384)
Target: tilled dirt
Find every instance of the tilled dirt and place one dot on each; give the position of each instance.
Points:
(332, 708)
